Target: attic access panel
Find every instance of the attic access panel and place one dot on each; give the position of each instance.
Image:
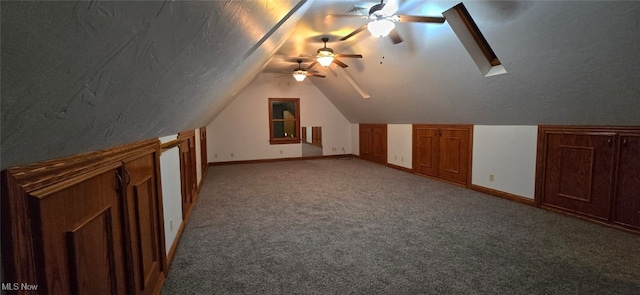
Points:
(473, 41)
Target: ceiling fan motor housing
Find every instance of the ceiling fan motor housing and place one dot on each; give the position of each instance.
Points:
(325, 49)
(375, 8)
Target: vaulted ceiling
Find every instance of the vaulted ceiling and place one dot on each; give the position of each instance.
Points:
(567, 62)
(79, 76)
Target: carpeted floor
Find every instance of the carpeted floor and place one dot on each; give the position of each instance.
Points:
(347, 226)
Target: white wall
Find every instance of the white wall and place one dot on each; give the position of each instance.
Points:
(241, 131)
(171, 193)
(509, 153)
(355, 139)
(399, 144)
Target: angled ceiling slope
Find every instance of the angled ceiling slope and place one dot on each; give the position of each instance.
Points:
(569, 62)
(81, 76)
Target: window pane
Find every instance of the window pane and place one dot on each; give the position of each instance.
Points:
(282, 107)
(284, 120)
(285, 129)
(278, 129)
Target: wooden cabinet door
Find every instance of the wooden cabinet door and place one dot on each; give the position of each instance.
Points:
(453, 158)
(316, 136)
(425, 150)
(579, 172)
(303, 134)
(366, 139)
(80, 247)
(443, 151)
(203, 151)
(379, 143)
(188, 174)
(627, 204)
(373, 142)
(185, 178)
(143, 223)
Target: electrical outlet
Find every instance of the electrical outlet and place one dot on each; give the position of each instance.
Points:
(281, 151)
(215, 155)
(232, 155)
(490, 177)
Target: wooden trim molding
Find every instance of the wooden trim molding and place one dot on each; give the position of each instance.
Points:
(170, 144)
(397, 167)
(35, 176)
(501, 194)
(588, 219)
(284, 140)
(174, 246)
(186, 134)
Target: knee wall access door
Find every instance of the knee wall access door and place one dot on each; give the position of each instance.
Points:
(443, 151)
(591, 171)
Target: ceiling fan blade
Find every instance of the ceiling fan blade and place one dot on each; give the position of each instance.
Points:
(420, 19)
(395, 37)
(390, 8)
(315, 75)
(349, 55)
(341, 64)
(313, 64)
(358, 30)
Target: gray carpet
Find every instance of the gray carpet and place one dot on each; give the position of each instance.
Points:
(347, 226)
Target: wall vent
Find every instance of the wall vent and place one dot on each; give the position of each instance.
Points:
(357, 10)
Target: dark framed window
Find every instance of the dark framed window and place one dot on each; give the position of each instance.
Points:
(284, 120)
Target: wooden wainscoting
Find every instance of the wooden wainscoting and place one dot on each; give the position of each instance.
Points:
(590, 171)
(188, 174)
(86, 224)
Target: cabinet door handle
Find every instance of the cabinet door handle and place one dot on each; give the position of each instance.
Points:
(624, 140)
(128, 176)
(120, 182)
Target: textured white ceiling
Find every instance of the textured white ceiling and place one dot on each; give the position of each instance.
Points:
(85, 75)
(79, 76)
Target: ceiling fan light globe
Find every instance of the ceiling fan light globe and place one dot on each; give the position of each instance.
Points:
(299, 75)
(325, 56)
(381, 28)
(325, 61)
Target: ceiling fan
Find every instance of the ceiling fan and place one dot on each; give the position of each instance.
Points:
(325, 56)
(383, 18)
(299, 73)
